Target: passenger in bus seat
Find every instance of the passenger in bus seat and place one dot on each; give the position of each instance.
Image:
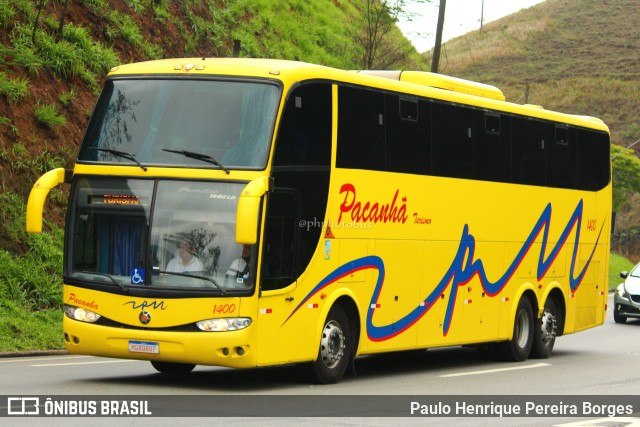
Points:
(185, 260)
(239, 268)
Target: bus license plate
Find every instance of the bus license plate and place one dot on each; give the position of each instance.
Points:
(144, 347)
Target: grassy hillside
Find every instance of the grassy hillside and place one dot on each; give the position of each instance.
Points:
(576, 56)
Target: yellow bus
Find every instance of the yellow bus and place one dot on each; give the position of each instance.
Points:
(247, 213)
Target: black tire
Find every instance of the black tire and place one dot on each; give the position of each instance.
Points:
(335, 350)
(545, 331)
(617, 317)
(518, 348)
(171, 368)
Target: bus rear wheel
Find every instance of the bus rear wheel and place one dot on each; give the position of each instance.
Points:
(518, 348)
(545, 330)
(171, 368)
(335, 348)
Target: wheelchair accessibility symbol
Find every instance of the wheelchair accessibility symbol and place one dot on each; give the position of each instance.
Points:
(137, 276)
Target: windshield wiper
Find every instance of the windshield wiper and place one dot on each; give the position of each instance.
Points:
(208, 279)
(122, 154)
(198, 156)
(110, 277)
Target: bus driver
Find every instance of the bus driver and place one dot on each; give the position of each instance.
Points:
(185, 260)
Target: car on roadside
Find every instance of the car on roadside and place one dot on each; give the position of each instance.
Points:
(626, 300)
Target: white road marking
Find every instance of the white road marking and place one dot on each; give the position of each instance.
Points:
(40, 358)
(605, 422)
(491, 371)
(86, 363)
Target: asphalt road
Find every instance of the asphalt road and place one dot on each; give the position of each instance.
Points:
(599, 362)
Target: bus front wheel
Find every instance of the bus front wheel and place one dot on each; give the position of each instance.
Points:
(518, 348)
(335, 347)
(171, 368)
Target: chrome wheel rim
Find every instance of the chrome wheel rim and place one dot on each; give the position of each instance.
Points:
(548, 327)
(522, 329)
(332, 344)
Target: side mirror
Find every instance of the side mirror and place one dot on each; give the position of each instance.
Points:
(624, 274)
(38, 195)
(249, 209)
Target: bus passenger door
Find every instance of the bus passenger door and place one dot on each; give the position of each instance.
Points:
(278, 277)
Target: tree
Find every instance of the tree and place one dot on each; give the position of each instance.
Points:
(61, 22)
(375, 32)
(626, 236)
(626, 201)
(41, 5)
(626, 174)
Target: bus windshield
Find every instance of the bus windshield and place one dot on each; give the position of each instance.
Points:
(158, 234)
(178, 122)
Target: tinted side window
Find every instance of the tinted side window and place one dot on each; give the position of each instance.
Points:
(593, 159)
(280, 240)
(562, 161)
(407, 137)
(452, 141)
(361, 129)
(529, 146)
(406, 134)
(305, 132)
(492, 146)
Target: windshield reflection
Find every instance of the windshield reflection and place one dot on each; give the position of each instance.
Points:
(147, 121)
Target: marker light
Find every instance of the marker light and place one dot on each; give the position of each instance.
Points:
(224, 324)
(81, 314)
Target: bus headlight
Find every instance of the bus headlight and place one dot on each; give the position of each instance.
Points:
(224, 324)
(81, 314)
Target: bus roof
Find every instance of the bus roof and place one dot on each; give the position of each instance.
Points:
(417, 83)
(442, 82)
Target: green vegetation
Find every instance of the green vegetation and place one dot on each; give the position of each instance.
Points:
(47, 114)
(33, 281)
(24, 330)
(125, 27)
(67, 97)
(617, 264)
(30, 291)
(14, 89)
(6, 14)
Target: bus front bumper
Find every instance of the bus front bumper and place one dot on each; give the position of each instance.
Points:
(230, 349)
